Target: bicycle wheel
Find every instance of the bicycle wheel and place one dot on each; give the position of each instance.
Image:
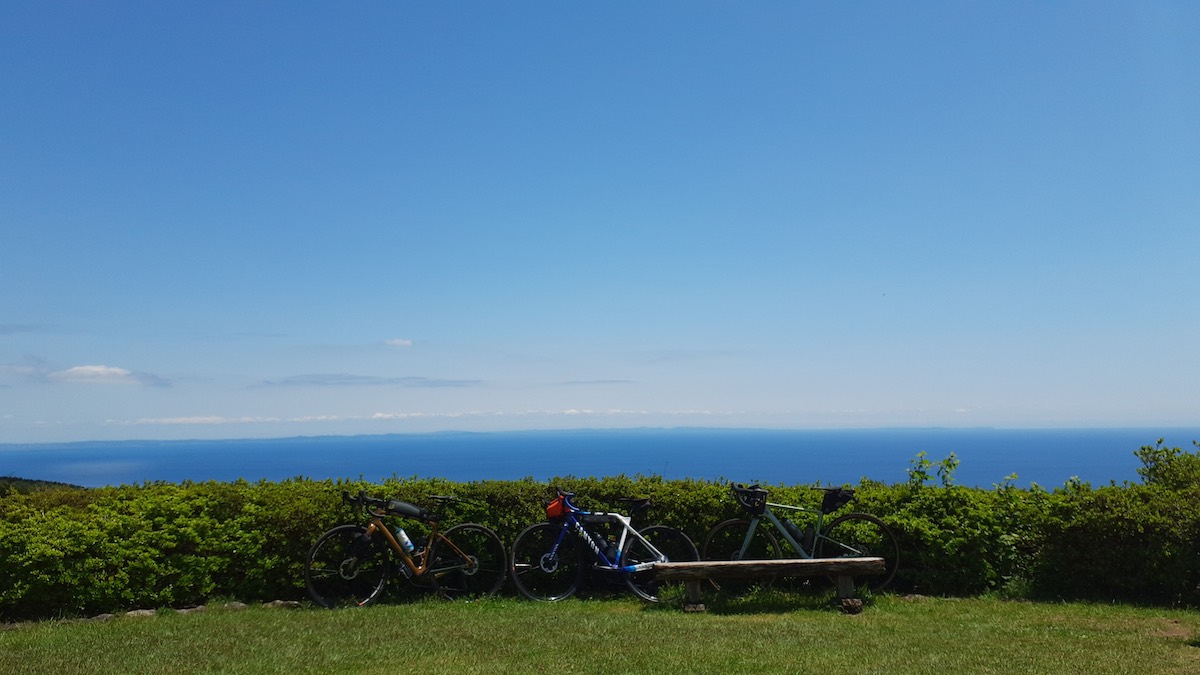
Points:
(726, 542)
(541, 572)
(669, 541)
(346, 568)
(862, 535)
(479, 574)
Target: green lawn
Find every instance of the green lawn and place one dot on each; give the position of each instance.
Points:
(774, 634)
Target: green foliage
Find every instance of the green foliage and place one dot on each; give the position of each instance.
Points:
(24, 485)
(156, 544)
(1138, 543)
(1172, 468)
(69, 551)
(959, 541)
(918, 470)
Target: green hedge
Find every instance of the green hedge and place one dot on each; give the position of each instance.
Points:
(70, 552)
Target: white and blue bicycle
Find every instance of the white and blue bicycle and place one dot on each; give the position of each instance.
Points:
(549, 558)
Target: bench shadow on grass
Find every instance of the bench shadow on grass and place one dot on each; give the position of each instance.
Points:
(759, 601)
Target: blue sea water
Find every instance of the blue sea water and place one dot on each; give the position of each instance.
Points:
(1048, 457)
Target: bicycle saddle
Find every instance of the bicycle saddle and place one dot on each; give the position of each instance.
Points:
(635, 504)
(835, 498)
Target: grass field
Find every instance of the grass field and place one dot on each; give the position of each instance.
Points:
(778, 633)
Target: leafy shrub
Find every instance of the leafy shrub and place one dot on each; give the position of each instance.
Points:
(957, 540)
(1171, 468)
(71, 551)
(1137, 543)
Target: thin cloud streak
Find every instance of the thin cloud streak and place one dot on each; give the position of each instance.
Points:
(351, 380)
(218, 420)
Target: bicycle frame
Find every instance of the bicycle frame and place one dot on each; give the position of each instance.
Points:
(818, 534)
(775, 520)
(415, 564)
(573, 522)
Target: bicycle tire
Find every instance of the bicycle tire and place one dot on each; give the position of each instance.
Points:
(672, 543)
(860, 535)
(538, 574)
(724, 542)
(479, 575)
(344, 568)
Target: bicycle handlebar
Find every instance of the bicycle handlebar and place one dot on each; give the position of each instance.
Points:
(635, 505)
(393, 507)
(752, 498)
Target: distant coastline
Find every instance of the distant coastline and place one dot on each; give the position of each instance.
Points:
(27, 485)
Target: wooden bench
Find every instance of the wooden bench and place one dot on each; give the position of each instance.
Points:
(843, 570)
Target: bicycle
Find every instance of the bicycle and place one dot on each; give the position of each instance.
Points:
(848, 535)
(350, 564)
(549, 558)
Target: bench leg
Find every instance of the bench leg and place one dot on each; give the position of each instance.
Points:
(851, 603)
(693, 601)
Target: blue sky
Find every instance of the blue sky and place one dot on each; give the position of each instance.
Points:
(226, 220)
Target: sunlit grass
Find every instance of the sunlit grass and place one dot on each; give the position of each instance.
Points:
(772, 633)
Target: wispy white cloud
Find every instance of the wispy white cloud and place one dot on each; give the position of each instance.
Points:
(674, 355)
(399, 342)
(382, 416)
(568, 413)
(101, 374)
(14, 328)
(351, 380)
(198, 420)
(93, 374)
(20, 370)
(32, 369)
(531, 413)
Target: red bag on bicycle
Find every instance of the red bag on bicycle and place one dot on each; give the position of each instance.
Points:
(557, 508)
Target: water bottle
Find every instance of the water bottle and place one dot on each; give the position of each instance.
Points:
(601, 543)
(405, 542)
(793, 530)
(611, 550)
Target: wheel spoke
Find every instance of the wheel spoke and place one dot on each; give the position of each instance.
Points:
(541, 572)
(727, 541)
(672, 543)
(479, 574)
(857, 535)
(346, 569)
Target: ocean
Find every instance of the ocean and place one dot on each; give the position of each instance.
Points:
(1048, 457)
